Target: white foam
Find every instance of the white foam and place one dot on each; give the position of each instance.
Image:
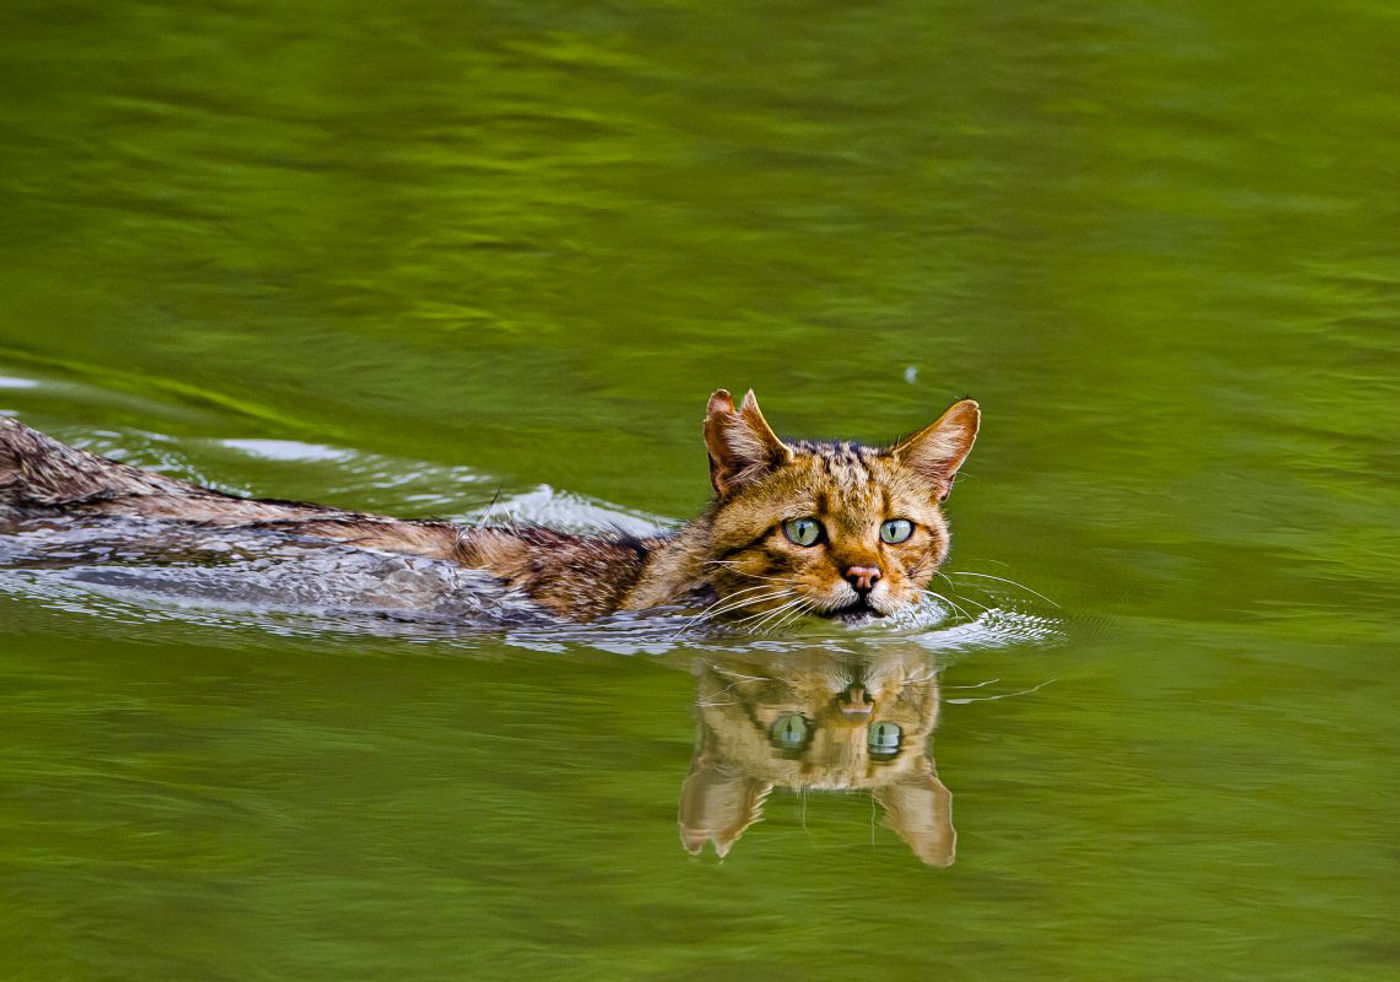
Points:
(287, 450)
(562, 509)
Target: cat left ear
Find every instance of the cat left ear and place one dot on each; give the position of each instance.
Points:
(920, 810)
(717, 804)
(939, 449)
(741, 444)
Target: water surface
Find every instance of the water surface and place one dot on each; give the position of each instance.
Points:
(416, 258)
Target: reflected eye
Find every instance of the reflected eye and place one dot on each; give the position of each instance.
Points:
(896, 530)
(791, 731)
(802, 531)
(883, 740)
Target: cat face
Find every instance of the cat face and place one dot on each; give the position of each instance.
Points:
(821, 722)
(833, 529)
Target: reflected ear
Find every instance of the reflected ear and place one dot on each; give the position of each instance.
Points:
(920, 810)
(938, 450)
(718, 804)
(741, 445)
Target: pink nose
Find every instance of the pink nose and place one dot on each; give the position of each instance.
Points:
(855, 702)
(863, 578)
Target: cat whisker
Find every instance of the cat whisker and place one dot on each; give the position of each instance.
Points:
(765, 614)
(799, 610)
(989, 576)
(938, 596)
(738, 682)
(967, 600)
(952, 588)
(751, 601)
(979, 685)
(923, 673)
(764, 627)
(731, 596)
(727, 603)
(964, 700)
(747, 589)
(746, 602)
(737, 676)
(764, 617)
(747, 575)
(791, 616)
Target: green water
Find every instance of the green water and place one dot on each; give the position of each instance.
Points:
(468, 250)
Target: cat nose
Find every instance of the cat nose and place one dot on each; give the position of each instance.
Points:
(863, 578)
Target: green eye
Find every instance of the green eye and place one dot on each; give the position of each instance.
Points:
(883, 740)
(803, 531)
(790, 731)
(896, 530)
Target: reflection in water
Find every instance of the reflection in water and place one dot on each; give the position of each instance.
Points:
(822, 721)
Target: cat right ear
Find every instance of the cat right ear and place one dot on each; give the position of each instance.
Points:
(939, 449)
(717, 804)
(919, 808)
(741, 444)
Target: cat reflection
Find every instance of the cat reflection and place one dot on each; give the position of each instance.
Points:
(823, 722)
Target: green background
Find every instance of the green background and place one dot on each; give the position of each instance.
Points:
(496, 245)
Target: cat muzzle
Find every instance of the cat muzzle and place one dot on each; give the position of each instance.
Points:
(859, 607)
(855, 704)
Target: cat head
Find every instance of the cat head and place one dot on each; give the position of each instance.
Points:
(820, 722)
(833, 529)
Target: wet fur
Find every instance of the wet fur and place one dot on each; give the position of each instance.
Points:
(734, 555)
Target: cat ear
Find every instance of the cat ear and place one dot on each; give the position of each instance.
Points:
(718, 804)
(742, 446)
(938, 450)
(920, 810)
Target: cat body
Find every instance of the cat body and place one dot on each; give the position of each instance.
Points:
(829, 529)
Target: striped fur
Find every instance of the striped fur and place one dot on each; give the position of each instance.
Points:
(734, 555)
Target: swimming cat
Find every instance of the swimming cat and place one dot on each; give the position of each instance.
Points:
(832, 529)
(819, 721)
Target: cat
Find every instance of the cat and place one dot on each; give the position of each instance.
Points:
(830, 529)
(818, 721)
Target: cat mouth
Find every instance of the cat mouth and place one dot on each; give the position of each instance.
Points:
(856, 610)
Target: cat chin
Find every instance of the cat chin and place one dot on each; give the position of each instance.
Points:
(859, 619)
(855, 613)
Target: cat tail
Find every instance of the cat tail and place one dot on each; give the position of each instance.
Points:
(39, 472)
